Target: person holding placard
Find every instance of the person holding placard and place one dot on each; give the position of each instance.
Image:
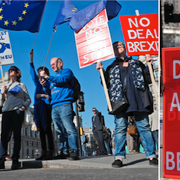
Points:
(136, 75)
(13, 114)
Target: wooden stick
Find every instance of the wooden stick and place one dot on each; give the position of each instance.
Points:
(3, 81)
(105, 90)
(153, 81)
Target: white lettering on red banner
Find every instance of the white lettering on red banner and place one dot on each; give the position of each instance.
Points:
(93, 41)
(140, 34)
(171, 112)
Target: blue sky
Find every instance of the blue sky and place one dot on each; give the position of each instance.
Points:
(63, 46)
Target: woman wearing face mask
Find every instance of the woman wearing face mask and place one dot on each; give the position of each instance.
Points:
(15, 99)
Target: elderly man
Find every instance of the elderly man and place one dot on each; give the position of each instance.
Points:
(62, 95)
(139, 98)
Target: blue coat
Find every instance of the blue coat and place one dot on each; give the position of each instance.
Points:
(39, 104)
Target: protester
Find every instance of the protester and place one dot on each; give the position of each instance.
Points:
(83, 144)
(139, 98)
(107, 139)
(112, 141)
(15, 99)
(62, 94)
(97, 128)
(42, 113)
(129, 137)
(153, 121)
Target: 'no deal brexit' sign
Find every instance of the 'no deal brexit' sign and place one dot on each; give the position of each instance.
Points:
(140, 34)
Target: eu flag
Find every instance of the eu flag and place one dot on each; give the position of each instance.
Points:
(21, 15)
(82, 17)
(66, 11)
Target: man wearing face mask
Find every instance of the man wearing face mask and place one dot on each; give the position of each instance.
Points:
(62, 95)
(139, 98)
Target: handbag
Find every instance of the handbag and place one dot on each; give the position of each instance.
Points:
(28, 118)
(123, 104)
(132, 130)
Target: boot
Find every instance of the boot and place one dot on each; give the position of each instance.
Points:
(49, 155)
(43, 155)
(15, 163)
(2, 164)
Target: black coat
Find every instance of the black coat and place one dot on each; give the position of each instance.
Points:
(145, 94)
(96, 122)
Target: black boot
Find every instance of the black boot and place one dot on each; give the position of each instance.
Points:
(15, 163)
(43, 155)
(49, 155)
(2, 164)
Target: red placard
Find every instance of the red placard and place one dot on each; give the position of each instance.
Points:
(140, 34)
(93, 42)
(171, 113)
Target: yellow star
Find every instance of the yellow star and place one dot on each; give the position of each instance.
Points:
(14, 23)
(20, 18)
(1, 17)
(26, 5)
(1, 9)
(24, 12)
(6, 23)
(4, 3)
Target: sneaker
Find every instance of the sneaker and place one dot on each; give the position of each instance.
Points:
(117, 163)
(74, 155)
(61, 155)
(2, 164)
(154, 162)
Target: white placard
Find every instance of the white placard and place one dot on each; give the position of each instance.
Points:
(6, 56)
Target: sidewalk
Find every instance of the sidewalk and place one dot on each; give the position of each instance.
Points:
(91, 162)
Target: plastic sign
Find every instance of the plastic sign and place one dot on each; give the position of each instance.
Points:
(93, 41)
(171, 112)
(6, 56)
(141, 34)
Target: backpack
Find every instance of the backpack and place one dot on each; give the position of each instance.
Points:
(76, 89)
(86, 139)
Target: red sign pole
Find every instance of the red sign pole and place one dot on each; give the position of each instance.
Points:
(171, 112)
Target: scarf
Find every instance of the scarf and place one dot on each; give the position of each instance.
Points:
(115, 89)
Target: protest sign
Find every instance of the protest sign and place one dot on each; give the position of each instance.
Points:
(140, 34)
(93, 41)
(6, 56)
(171, 112)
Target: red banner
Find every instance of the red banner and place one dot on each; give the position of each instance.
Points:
(93, 42)
(140, 34)
(171, 113)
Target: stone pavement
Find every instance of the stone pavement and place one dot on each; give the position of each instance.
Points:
(91, 162)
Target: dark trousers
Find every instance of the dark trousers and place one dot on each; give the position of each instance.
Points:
(100, 140)
(47, 132)
(11, 120)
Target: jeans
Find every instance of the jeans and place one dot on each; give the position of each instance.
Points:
(11, 121)
(142, 123)
(155, 136)
(83, 149)
(63, 122)
(107, 147)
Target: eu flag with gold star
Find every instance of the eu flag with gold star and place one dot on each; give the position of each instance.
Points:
(21, 15)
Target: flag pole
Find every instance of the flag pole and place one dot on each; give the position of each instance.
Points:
(35, 40)
(49, 48)
(105, 89)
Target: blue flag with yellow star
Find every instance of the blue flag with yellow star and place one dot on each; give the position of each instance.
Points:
(21, 15)
(66, 11)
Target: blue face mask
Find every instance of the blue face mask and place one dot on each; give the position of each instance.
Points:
(15, 90)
